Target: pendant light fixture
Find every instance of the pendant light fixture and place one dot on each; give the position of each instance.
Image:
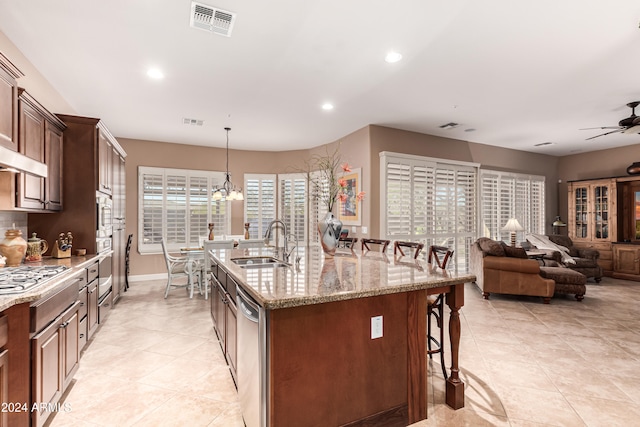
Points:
(228, 191)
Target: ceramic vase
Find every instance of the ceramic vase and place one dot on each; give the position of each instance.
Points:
(13, 247)
(329, 229)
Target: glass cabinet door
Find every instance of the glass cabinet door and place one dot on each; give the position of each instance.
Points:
(601, 211)
(581, 220)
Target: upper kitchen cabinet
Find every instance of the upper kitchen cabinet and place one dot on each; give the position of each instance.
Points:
(85, 156)
(8, 103)
(40, 136)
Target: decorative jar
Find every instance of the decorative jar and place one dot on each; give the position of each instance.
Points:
(13, 247)
(329, 229)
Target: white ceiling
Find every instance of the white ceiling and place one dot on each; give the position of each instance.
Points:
(518, 72)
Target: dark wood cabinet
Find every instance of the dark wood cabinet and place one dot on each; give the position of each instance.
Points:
(84, 140)
(224, 314)
(55, 357)
(53, 146)
(40, 137)
(92, 308)
(4, 385)
(9, 103)
(105, 162)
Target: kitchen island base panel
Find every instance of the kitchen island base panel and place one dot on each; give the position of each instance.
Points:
(340, 375)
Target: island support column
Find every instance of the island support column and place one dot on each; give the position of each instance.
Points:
(455, 386)
(417, 355)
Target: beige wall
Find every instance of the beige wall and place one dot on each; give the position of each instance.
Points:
(34, 82)
(400, 141)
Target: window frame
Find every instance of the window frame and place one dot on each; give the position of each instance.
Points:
(214, 179)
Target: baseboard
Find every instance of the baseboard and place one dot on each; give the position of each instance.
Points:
(146, 277)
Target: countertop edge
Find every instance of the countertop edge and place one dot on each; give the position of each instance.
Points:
(49, 287)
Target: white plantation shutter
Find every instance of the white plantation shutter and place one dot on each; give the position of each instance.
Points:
(317, 207)
(177, 205)
(259, 202)
(507, 195)
(292, 204)
(431, 201)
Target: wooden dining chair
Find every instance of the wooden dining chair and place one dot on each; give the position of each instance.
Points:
(381, 243)
(347, 242)
(435, 306)
(398, 246)
(176, 267)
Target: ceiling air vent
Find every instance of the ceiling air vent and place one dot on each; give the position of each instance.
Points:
(192, 122)
(214, 20)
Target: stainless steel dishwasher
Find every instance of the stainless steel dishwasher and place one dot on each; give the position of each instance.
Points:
(251, 360)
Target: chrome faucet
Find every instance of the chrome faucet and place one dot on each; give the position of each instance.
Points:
(267, 236)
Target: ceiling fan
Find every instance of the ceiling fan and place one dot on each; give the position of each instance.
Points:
(630, 124)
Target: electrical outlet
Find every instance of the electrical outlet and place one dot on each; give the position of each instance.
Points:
(376, 327)
(364, 230)
(354, 229)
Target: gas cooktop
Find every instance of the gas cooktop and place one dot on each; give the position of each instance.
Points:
(15, 280)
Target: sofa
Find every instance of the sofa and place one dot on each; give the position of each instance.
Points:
(505, 270)
(585, 261)
(502, 269)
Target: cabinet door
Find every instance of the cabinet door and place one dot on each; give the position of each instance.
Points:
(105, 160)
(600, 209)
(92, 308)
(579, 202)
(31, 193)
(4, 386)
(626, 259)
(8, 111)
(232, 347)
(71, 343)
(53, 157)
(46, 371)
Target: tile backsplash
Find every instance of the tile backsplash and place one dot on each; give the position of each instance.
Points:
(8, 219)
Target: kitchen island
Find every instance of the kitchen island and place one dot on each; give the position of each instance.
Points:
(316, 346)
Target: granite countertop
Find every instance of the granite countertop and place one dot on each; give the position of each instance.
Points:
(47, 287)
(349, 275)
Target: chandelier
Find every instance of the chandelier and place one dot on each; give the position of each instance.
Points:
(228, 191)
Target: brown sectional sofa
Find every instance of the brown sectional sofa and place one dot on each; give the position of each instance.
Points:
(498, 273)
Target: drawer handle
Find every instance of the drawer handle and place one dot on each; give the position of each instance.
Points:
(64, 325)
(81, 336)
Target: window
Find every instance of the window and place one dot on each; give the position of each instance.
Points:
(292, 204)
(177, 204)
(432, 201)
(259, 202)
(507, 195)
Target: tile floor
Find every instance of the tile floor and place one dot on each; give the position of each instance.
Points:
(157, 362)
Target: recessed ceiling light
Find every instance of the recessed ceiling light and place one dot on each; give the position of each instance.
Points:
(155, 73)
(393, 57)
(327, 106)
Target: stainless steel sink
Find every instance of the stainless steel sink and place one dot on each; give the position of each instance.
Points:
(260, 262)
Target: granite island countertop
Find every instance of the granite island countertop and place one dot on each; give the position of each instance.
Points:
(49, 286)
(319, 279)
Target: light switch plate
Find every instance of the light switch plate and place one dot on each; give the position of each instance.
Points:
(354, 229)
(364, 230)
(376, 327)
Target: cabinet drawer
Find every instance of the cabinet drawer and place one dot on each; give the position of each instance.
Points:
(83, 297)
(47, 309)
(82, 279)
(4, 330)
(92, 272)
(600, 246)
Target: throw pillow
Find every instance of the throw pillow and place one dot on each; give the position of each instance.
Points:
(513, 252)
(491, 247)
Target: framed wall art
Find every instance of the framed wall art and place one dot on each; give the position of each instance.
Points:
(349, 210)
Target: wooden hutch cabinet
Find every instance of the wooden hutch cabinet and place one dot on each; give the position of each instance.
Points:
(593, 217)
(604, 215)
(9, 103)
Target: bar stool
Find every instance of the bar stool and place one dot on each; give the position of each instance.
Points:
(435, 306)
(347, 242)
(382, 244)
(399, 244)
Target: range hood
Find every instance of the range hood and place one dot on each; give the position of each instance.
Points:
(13, 160)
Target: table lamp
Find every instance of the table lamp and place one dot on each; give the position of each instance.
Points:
(512, 226)
(558, 223)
